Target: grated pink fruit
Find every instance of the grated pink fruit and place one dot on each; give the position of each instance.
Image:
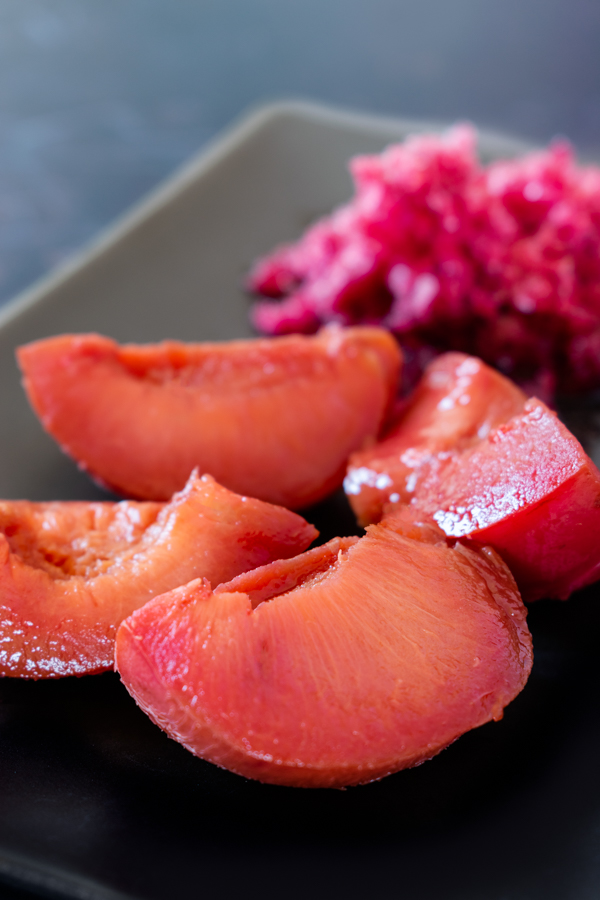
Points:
(501, 261)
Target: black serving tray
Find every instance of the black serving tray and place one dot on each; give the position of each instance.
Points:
(96, 802)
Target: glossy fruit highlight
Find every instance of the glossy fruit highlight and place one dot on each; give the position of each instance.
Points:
(458, 401)
(530, 491)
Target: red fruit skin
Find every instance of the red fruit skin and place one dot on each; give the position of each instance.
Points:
(270, 418)
(456, 404)
(395, 645)
(71, 572)
(531, 492)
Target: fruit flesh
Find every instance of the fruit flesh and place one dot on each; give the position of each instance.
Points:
(274, 419)
(530, 491)
(71, 572)
(456, 404)
(396, 645)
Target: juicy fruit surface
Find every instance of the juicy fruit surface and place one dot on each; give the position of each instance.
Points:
(274, 419)
(456, 404)
(501, 261)
(530, 491)
(348, 663)
(71, 572)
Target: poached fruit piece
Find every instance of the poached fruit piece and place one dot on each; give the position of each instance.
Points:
(71, 572)
(345, 664)
(456, 404)
(270, 418)
(530, 491)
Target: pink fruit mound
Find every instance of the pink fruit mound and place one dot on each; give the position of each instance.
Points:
(500, 261)
(274, 419)
(530, 491)
(338, 667)
(71, 572)
(456, 404)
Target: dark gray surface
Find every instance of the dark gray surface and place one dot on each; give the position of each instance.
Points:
(99, 100)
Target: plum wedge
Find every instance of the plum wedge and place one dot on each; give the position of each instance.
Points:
(456, 404)
(270, 418)
(530, 491)
(338, 667)
(71, 572)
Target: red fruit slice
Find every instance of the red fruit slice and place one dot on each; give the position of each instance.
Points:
(71, 572)
(271, 418)
(338, 667)
(530, 491)
(457, 403)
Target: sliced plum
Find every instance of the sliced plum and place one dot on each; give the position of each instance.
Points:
(338, 667)
(270, 418)
(530, 491)
(456, 404)
(71, 572)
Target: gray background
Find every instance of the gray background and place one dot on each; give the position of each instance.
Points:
(101, 99)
